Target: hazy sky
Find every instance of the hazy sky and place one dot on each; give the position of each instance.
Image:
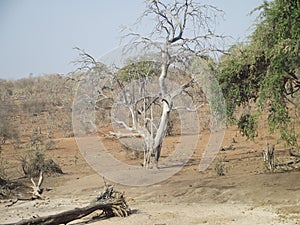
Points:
(38, 36)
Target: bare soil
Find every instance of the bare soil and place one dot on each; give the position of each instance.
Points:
(247, 194)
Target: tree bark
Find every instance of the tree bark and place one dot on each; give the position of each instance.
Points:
(166, 103)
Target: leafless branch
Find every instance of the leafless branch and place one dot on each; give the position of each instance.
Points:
(124, 125)
(85, 60)
(185, 24)
(37, 190)
(181, 89)
(124, 135)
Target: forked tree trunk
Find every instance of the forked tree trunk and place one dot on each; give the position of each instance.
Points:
(166, 108)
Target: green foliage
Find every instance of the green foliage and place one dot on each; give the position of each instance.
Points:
(248, 125)
(266, 70)
(239, 77)
(138, 70)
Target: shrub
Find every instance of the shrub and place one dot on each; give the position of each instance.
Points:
(220, 167)
(36, 161)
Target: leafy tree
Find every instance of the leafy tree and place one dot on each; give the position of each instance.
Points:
(266, 70)
(139, 70)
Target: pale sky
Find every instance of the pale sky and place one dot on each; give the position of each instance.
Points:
(38, 36)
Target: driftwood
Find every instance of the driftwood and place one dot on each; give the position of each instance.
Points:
(112, 203)
(36, 191)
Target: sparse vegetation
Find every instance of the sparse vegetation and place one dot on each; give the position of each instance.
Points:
(220, 166)
(51, 144)
(261, 83)
(35, 161)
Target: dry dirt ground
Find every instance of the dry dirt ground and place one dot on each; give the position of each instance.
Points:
(247, 194)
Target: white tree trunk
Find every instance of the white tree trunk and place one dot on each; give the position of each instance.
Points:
(166, 108)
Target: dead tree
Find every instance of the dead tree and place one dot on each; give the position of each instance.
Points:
(183, 30)
(176, 46)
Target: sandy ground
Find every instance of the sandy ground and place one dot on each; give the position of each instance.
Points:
(247, 194)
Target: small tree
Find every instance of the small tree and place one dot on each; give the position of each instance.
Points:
(182, 31)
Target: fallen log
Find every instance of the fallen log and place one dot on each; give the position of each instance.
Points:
(111, 202)
(68, 216)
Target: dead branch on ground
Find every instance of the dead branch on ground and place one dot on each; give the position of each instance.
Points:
(111, 202)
